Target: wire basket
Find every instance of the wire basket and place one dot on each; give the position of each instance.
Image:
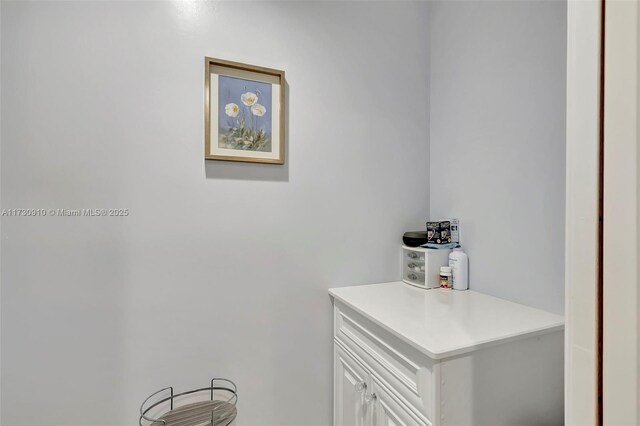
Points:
(219, 407)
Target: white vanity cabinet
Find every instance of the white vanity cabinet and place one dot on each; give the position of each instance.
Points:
(351, 383)
(408, 356)
(362, 400)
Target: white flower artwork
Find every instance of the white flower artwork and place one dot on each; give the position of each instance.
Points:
(258, 110)
(249, 98)
(247, 125)
(244, 112)
(232, 109)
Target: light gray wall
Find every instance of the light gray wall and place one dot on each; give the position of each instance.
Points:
(220, 269)
(497, 138)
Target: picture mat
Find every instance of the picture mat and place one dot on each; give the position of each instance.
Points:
(275, 108)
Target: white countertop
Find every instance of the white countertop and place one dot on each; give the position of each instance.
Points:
(445, 323)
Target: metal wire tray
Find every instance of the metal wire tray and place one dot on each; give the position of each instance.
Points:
(218, 412)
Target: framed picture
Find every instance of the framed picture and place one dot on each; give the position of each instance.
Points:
(244, 112)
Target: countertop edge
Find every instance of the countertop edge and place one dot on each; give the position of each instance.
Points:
(384, 326)
(455, 351)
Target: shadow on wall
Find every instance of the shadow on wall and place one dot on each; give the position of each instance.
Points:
(254, 171)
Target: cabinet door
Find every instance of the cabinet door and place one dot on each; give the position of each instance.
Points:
(388, 410)
(350, 385)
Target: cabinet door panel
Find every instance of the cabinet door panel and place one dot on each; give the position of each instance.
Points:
(388, 410)
(348, 400)
(409, 373)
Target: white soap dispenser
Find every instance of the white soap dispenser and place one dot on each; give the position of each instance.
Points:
(459, 263)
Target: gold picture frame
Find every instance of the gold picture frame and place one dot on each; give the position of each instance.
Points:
(244, 112)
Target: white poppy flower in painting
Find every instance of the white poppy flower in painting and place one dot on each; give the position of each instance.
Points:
(249, 98)
(258, 110)
(232, 109)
